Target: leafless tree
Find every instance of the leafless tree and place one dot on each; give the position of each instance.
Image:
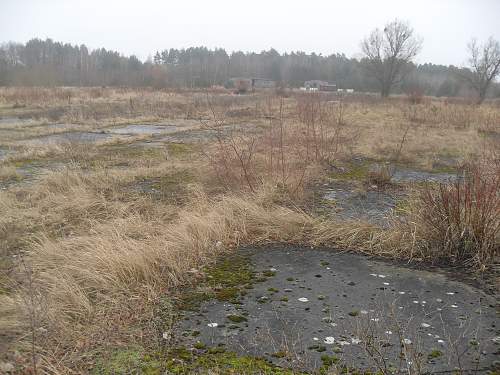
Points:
(484, 63)
(389, 53)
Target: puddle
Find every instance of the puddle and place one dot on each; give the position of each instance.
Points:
(77, 137)
(350, 203)
(319, 303)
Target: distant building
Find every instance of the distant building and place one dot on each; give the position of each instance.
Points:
(243, 84)
(349, 91)
(263, 83)
(318, 85)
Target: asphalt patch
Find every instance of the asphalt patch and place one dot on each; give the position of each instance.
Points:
(316, 305)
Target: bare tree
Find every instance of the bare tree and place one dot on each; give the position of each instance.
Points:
(484, 63)
(389, 53)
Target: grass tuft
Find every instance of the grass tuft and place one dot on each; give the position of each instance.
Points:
(460, 221)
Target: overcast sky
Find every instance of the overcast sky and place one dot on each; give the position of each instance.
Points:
(142, 27)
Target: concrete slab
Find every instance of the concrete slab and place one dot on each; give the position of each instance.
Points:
(410, 175)
(374, 206)
(361, 312)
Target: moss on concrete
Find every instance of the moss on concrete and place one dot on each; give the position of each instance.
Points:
(224, 363)
(131, 360)
(225, 280)
(236, 318)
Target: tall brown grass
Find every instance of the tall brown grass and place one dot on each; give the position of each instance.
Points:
(98, 253)
(8, 173)
(460, 221)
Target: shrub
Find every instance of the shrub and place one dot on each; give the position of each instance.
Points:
(415, 96)
(460, 221)
(381, 176)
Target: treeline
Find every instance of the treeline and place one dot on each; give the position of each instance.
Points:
(45, 63)
(49, 63)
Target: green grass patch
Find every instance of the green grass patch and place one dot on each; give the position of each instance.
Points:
(224, 363)
(353, 172)
(269, 273)
(199, 345)
(123, 154)
(236, 318)
(128, 361)
(280, 354)
(329, 360)
(180, 149)
(435, 354)
(225, 280)
(402, 206)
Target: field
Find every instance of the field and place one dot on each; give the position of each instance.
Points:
(126, 213)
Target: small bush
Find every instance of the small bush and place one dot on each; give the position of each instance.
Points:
(415, 96)
(380, 176)
(460, 221)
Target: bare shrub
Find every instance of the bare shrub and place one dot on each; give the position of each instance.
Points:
(324, 125)
(285, 152)
(96, 92)
(415, 96)
(232, 158)
(254, 160)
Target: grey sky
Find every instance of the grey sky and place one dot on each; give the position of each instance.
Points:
(324, 26)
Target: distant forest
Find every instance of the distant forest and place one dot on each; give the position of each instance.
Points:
(49, 63)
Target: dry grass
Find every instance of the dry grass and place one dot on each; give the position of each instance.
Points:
(115, 105)
(100, 253)
(381, 127)
(8, 172)
(135, 256)
(438, 128)
(460, 221)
